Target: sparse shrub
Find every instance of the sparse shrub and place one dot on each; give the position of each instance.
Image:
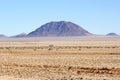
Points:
(104, 68)
(34, 49)
(69, 67)
(50, 47)
(78, 72)
(81, 78)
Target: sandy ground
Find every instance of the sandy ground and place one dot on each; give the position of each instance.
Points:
(60, 59)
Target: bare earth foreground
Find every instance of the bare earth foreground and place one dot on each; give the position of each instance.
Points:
(71, 58)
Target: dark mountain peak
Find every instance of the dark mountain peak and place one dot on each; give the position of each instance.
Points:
(61, 28)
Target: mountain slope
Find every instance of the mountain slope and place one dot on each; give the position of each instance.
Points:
(61, 28)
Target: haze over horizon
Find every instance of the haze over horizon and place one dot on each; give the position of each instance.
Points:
(96, 16)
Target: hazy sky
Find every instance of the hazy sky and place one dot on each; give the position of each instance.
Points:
(96, 16)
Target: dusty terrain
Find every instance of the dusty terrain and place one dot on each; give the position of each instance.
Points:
(71, 58)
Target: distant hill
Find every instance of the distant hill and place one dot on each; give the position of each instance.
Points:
(61, 28)
(2, 36)
(112, 34)
(20, 35)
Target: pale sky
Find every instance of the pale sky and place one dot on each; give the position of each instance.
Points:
(96, 16)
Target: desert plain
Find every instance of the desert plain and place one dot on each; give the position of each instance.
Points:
(61, 58)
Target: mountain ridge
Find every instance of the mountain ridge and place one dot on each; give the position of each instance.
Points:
(58, 29)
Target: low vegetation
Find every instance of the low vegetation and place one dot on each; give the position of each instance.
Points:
(59, 60)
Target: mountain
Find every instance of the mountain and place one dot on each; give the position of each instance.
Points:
(2, 36)
(61, 28)
(112, 34)
(20, 35)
